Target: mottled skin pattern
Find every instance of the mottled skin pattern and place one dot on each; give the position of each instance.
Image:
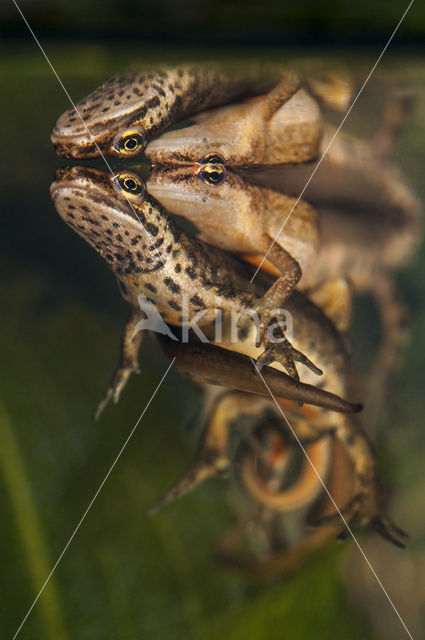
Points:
(150, 255)
(150, 101)
(281, 127)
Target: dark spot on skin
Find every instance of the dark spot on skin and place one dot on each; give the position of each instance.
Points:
(226, 292)
(115, 225)
(150, 287)
(169, 248)
(159, 90)
(104, 218)
(174, 305)
(175, 253)
(116, 103)
(126, 233)
(109, 232)
(172, 285)
(139, 256)
(71, 207)
(197, 301)
(178, 268)
(191, 272)
(105, 109)
(152, 228)
(84, 208)
(156, 244)
(67, 198)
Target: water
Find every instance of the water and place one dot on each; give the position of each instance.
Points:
(124, 575)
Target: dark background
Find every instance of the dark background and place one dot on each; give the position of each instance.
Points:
(124, 575)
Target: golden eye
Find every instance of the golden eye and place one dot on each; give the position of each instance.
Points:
(212, 158)
(213, 174)
(130, 184)
(130, 143)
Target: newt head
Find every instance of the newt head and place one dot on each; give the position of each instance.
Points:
(109, 121)
(225, 208)
(111, 213)
(127, 111)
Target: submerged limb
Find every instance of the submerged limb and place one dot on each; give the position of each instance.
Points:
(287, 355)
(270, 306)
(271, 312)
(128, 361)
(365, 507)
(212, 457)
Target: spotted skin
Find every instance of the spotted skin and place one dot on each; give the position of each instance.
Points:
(151, 101)
(143, 246)
(127, 237)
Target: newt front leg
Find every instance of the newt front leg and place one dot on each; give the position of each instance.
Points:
(128, 360)
(271, 311)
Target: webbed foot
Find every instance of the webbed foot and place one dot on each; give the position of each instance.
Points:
(208, 465)
(362, 511)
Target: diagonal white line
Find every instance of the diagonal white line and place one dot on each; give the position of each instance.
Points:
(93, 499)
(332, 139)
(80, 117)
(303, 449)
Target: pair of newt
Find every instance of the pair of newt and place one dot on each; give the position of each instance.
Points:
(150, 255)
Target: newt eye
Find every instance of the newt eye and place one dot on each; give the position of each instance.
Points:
(130, 184)
(130, 143)
(212, 174)
(212, 158)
